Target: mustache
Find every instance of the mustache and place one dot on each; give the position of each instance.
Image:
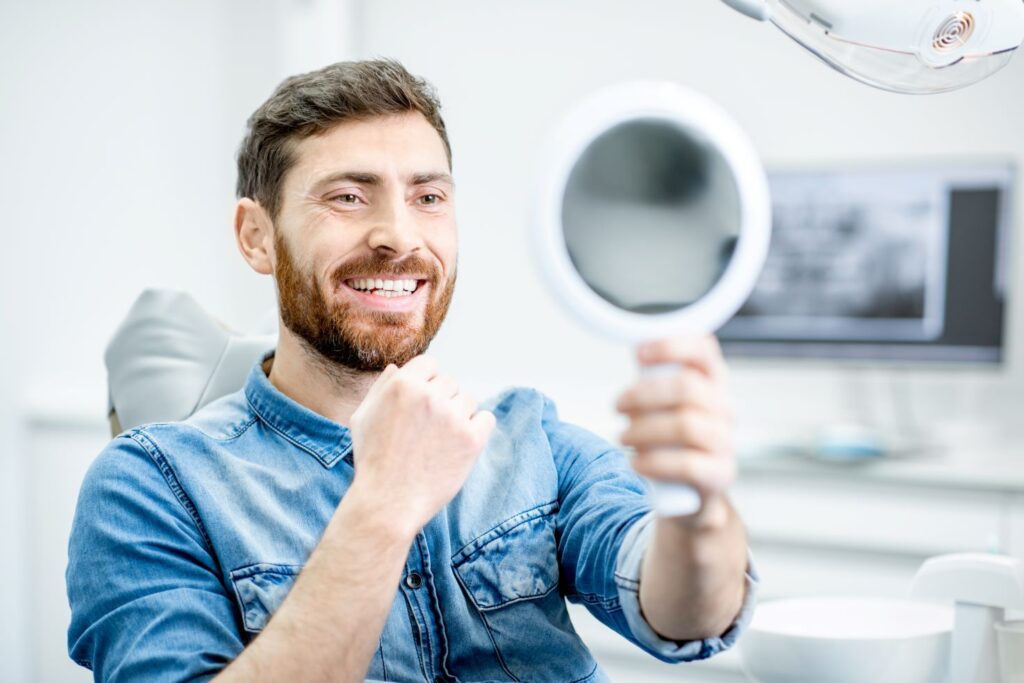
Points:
(410, 265)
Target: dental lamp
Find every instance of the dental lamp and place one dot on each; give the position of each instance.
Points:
(905, 46)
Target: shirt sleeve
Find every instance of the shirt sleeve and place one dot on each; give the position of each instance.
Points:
(147, 603)
(605, 523)
(627, 578)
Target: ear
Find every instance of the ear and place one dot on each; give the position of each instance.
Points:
(254, 234)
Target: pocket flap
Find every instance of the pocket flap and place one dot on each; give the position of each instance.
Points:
(520, 564)
(260, 589)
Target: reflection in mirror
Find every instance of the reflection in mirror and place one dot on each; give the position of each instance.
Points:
(651, 216)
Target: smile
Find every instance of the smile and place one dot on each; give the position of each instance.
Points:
(385, 288)
(387, 294)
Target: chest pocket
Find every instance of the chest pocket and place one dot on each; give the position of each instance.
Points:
(510, 574)
(261, 588)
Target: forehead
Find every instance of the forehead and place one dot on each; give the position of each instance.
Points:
(398, 143)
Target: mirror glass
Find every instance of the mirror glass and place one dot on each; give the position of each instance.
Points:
(651, 215)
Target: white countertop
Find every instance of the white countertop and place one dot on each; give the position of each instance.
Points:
(987, 470)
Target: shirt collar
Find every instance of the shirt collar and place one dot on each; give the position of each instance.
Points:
(325, 440)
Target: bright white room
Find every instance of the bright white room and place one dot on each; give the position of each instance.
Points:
(865, 446)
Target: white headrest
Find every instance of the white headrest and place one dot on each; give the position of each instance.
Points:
(170, 357)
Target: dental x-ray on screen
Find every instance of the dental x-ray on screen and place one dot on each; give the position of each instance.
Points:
(896, 264)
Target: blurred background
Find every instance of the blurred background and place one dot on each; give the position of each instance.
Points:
(119, 123)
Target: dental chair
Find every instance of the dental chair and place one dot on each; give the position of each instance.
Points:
(169, 358)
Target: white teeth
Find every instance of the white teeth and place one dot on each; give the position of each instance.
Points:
(399, 287)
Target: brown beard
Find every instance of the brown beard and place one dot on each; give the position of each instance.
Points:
(338, 332)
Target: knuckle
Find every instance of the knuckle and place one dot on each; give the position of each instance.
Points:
(402, 383)
(682, 385)
(729, 471)
(684, 425)
(687, 469)
(436, 404)
(719, 438)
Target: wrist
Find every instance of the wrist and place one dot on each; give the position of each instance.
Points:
(706, 538)
(376, 515)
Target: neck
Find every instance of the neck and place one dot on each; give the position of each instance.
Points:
(311, 380)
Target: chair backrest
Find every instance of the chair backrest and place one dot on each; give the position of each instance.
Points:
(170, 357)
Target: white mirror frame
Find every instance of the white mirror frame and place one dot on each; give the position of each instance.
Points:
(693, 113)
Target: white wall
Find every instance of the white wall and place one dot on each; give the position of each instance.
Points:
(506, 71)
(119, 121)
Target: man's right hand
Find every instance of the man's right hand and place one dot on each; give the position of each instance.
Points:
(415, 439)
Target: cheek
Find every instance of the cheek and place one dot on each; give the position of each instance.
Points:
(445, 245)
(329, 249)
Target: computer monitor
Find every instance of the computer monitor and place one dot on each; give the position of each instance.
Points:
(893, 264)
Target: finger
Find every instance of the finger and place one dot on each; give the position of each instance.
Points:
(701, 351)
(465, 405)
(421, 367)
(381, 380)
(686, 388)
(483, 423)
(707, 473)
(444, 386)
(390, 370)
(678, 429)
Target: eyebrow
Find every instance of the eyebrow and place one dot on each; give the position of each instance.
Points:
(372, 179)
(424, 178)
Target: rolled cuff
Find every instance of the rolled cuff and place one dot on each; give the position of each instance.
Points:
(627, 580)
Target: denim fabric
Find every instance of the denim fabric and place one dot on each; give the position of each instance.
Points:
(189, 535)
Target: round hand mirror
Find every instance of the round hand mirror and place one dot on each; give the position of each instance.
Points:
(654, 221)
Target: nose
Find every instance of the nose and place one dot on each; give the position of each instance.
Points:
(395, 231)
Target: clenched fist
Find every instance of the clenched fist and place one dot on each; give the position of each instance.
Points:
(415, 439)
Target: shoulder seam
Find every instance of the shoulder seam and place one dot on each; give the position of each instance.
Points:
(171, 479)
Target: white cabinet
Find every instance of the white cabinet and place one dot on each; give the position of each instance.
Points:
(59, 451)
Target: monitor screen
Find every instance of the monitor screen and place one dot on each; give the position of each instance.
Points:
(900, 264)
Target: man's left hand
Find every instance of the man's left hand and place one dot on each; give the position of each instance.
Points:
(681, 423)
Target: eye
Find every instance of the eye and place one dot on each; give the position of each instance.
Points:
(430, 199)
(347, 198)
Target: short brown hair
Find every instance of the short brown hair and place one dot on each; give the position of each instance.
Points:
(312, 103)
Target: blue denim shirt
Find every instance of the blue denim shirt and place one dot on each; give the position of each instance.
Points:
(188, 536)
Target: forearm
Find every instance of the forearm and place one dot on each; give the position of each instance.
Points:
(328, 627)
(692, 580)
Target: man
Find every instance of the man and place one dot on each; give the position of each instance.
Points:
(351, 513)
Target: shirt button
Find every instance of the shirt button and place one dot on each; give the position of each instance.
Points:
(414, 580)
(438, 679)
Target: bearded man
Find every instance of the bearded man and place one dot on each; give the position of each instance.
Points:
(350, 513)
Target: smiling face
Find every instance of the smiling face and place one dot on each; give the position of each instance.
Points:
(365, 244)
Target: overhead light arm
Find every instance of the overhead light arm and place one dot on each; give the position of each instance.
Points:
(755, 9)
(905, 46)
